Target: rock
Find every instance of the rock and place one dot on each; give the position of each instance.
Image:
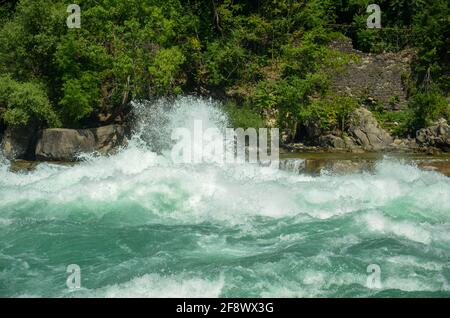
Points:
(332, 141)
(61, 144)
(375, 76)
(350, 144)
(343, 167)
(437, 135)
(64, 144)
(18, 143)
(316, 166)
(312, 131)
(403, 145)
(22, 166)
(441, 166)
(365, 131)
(107, 138)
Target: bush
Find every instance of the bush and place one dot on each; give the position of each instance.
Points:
(25, 103)
(244, 117)
(397, 123)
(79, 98)
(331, 113)
(426, 108)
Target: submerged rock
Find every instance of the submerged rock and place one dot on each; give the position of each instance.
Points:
(442, 166)
(317, 166)
(22, 165)
(66, 144)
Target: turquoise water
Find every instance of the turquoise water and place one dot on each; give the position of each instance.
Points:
(139, 225)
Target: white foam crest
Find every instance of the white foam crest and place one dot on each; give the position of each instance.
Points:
(378, 223)
(231, 193)
(158, 286)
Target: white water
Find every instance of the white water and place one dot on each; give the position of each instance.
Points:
(223, 230)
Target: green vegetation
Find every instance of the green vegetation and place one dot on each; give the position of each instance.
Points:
(426, 107)
(25, 103)
(269, 59)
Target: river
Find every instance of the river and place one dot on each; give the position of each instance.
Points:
(138, 225)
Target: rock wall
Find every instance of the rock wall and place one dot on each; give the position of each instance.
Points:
(378, 77)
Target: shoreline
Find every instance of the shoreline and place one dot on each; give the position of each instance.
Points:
(311, 163)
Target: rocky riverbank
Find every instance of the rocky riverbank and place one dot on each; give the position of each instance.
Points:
(313, 163)
(364, 135)
(348, 163)
(60, 144)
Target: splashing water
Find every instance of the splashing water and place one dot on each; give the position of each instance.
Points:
(140, 226)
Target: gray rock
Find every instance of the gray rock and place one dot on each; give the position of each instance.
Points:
(366, 132)
(403, 145)
(332, 141)
(18, 143)
(350, 144)
(343, 167)
(107, 138)
(317, 166)
(437, 135)
(313, 131)
(61, 144)
(376, 76)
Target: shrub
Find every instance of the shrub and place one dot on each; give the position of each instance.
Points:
(426, 108)
(25, 102)
(331, 113)
(244, 117)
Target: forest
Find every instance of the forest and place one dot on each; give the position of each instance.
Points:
(262, 58)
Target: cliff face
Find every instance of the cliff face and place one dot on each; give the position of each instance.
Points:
(376, 77)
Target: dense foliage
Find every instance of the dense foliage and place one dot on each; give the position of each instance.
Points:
(268, 58)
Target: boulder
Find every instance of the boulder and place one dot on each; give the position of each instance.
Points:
(350, 144)
(332, 141)
(107, 138)
(18, 143)
(403, 145)
(61, 144)
(437, 135)
(366, 132)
